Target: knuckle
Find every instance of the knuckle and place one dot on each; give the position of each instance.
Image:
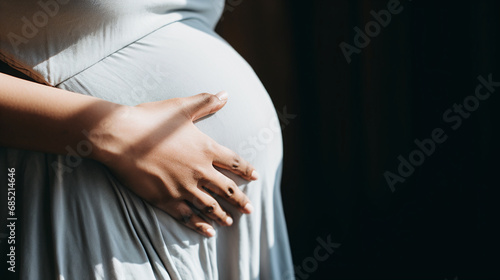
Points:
(210, 208)
(205, 95)
(197, 203)
(186, 218)
(208, 98)
(199, 173)
(210, 147)
(248, 170)
(243, 201)
(199, 228)
(236, 162)
(229, 192)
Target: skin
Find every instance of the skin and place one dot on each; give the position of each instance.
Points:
(153, 148)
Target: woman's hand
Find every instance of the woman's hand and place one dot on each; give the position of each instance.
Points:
(154, 148)
(156, 151)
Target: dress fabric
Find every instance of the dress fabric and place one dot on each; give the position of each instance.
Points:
(77, 221)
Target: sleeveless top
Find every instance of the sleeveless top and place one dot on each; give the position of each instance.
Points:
(52, 40)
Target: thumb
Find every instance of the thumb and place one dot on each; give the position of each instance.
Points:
(203, 104)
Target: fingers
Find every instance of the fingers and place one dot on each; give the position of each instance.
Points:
(184, 214)
(227, 159)
(208, 206)
(227, 189)
(204, 104)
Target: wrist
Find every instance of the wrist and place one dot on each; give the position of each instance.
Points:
(107, 135)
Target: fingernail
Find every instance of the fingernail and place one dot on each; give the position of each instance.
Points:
(248, 208)
(229, 221)
(254, 175)
(210, 232)
(222, 95)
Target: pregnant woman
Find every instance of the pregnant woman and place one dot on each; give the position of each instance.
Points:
(124, 171)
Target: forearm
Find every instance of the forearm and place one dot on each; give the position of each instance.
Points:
(42, 118)
(154, 148)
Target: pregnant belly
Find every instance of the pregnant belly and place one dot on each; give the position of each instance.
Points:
(183, 59)
(88, 207)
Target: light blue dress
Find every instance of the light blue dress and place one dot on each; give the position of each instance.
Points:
(78, 221)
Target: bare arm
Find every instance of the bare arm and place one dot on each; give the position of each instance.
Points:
(153, 148)
(47, 119)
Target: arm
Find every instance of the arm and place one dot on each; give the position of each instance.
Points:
(47, 119)
(153, 148)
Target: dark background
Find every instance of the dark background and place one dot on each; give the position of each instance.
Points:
(354, 120)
